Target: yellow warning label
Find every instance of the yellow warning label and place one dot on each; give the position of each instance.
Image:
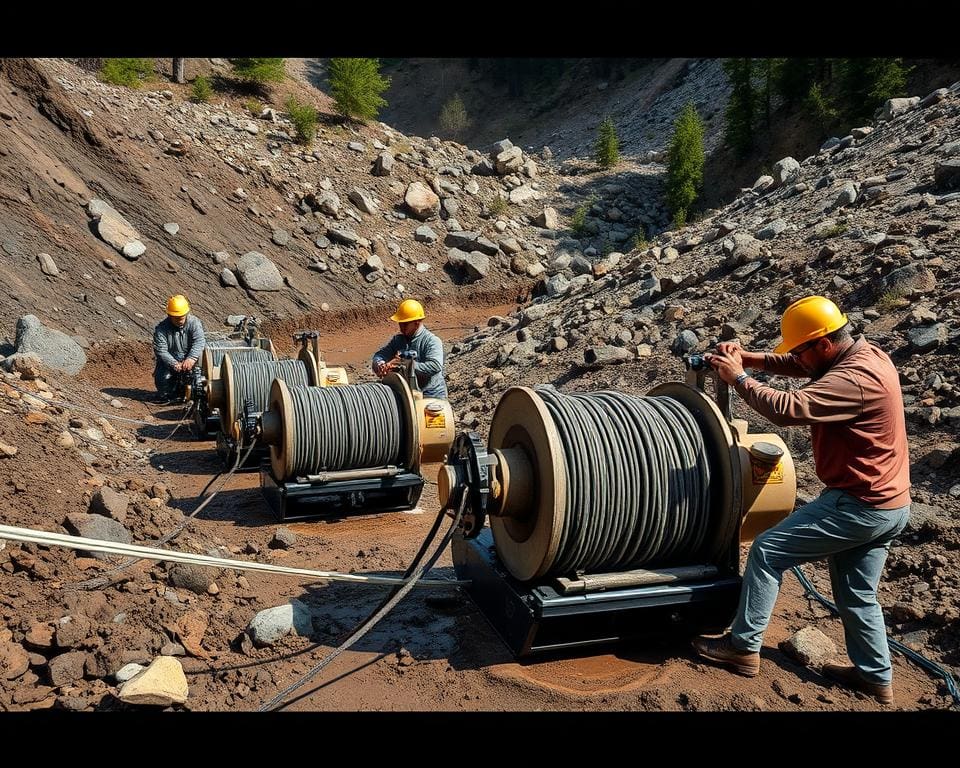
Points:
(435, 421)
(764, 473)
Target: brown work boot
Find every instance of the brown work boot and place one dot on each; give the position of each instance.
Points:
(850, 677)
(721, 650)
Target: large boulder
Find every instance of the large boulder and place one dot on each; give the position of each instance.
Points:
(258, 273)
(54, 348)
(116, 230)
(422, 201)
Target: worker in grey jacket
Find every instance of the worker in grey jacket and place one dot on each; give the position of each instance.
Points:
(414, 336)
(178, 342)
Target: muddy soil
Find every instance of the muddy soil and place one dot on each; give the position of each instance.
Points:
(434, 652)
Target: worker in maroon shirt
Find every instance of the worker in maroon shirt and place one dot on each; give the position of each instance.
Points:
(854, 407)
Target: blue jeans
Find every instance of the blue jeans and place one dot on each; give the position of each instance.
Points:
(855, 539)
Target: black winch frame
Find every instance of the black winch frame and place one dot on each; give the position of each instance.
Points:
(537, 618)
(316, 498)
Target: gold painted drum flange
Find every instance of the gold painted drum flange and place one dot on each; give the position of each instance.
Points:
(410, 448)
(726, 502)
(281, 451)
(528, 545)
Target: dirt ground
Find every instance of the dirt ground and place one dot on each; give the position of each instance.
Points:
(434, 652)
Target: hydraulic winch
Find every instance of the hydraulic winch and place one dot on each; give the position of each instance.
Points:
(350, 450)
(243, 343)
(242, 389)
(611, 516)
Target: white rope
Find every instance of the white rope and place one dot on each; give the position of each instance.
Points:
(149, 553)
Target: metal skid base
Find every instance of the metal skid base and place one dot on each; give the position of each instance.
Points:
(536, 618)
(296, 501)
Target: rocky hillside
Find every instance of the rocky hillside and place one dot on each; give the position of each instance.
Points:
(871, 220)
(563, 114)
(114, 198)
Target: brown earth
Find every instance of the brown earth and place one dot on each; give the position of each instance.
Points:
(434, 652)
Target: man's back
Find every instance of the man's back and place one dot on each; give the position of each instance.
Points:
(868, 455)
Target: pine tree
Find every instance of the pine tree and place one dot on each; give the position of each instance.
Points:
(356, 85)
(453, 116)
(259, 71)
(793, 79)
(865, 83)
(607, 149)
(685, 164)
(128, 72)
(739, 133)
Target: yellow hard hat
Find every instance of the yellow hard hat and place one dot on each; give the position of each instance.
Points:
(807, 319)
(178, 306)
(409, 309)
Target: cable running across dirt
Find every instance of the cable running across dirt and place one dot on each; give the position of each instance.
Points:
(414, 572)
(911, 654)
(105, 578)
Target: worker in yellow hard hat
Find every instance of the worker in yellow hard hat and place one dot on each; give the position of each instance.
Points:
(415, 337)
(178, 342)
(854, 407)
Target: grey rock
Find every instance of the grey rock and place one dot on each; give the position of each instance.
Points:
(896, 107)
(475, 263)
(283, 538)
(927, 337)
(47, 265)
(424, 234)
(606, 355)
(258, 273)
(909, 279)
(280, 237)
(685, 342)
(171, 228)
(772, 229)
(809, 646)
(363, 200)
(272, 624)
(786, 171)
(947, 174)
(384, 164)
(55, 348)
(98, 527)
(228, 279)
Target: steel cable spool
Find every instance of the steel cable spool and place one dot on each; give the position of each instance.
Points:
(319, 429)
(214, 354)
(244, 381)
(617, 482)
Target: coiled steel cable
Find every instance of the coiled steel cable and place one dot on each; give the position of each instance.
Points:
(252, 380)
(237, 352)
(638, 481)
(337, 428)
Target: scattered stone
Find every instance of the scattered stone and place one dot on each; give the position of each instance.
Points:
(163, 683)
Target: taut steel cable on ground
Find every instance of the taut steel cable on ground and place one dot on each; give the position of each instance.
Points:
(412, 575)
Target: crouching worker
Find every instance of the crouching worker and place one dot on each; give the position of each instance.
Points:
(177, 345)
